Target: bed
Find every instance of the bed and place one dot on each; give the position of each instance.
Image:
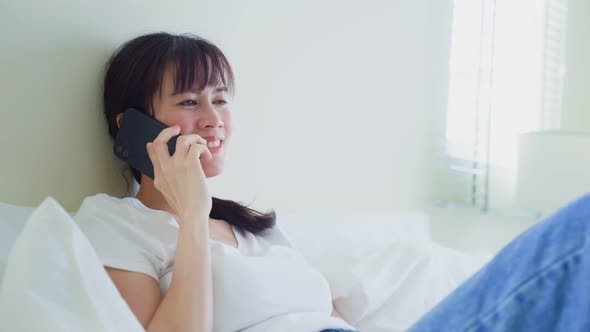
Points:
(383, 275)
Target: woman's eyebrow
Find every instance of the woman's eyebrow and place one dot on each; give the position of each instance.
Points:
(219, 89)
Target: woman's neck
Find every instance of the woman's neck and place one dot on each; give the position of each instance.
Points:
(150, 196)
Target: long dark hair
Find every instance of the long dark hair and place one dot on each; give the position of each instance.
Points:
(134, 73)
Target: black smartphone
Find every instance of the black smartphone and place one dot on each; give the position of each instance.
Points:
(136, 130)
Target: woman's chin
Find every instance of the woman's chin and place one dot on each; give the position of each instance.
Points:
(213, 170)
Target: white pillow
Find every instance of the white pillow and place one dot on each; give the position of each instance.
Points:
(327, 238)
(389, 288)
(54, 280)
(12, 221)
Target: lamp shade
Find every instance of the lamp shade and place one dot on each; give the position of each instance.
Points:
(553, 169)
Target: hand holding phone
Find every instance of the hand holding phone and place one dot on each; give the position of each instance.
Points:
(137, 129)
(171, 160)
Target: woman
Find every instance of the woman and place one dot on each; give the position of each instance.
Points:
(182, 260)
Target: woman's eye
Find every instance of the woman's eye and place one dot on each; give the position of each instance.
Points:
(189, 102)
(192, 102)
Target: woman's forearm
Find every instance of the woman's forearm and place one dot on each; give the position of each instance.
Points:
(188, 304)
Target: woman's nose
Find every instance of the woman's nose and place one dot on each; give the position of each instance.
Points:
(210, 117)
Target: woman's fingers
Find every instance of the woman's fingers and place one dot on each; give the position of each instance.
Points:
(208, 153)
(158, 151)
(187, 146)
(161, 142)
(166, 134)
(184, 142)
(196, 151)
(155, 163)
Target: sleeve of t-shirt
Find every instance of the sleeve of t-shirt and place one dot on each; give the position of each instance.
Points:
(118, 242)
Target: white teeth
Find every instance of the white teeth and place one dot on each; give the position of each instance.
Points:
(213, 144)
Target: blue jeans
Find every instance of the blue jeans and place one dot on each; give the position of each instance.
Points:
(539, 282)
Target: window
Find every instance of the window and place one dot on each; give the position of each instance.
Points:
(505, 78)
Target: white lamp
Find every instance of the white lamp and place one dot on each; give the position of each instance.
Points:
(553, 169)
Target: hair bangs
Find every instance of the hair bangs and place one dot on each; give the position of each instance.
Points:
(196, 65)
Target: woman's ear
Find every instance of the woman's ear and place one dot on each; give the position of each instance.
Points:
(119, 117)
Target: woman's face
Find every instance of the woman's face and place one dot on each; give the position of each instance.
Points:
(205, 113)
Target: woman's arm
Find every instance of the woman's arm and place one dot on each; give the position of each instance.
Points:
(188, 304)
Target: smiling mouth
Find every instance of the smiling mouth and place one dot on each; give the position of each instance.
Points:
(215, 146)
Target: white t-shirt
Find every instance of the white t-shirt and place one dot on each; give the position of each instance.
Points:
(263, 285)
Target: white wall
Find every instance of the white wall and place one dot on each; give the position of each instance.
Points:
(335, 105)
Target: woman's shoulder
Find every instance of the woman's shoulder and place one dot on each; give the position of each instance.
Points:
(100, 207)
(103, 202)
(100, 203)
(105, 208)
(128, 210)
(123, 236)
(105, 214)
(100, 199)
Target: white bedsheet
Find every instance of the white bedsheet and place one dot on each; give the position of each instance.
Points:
(384, 271)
